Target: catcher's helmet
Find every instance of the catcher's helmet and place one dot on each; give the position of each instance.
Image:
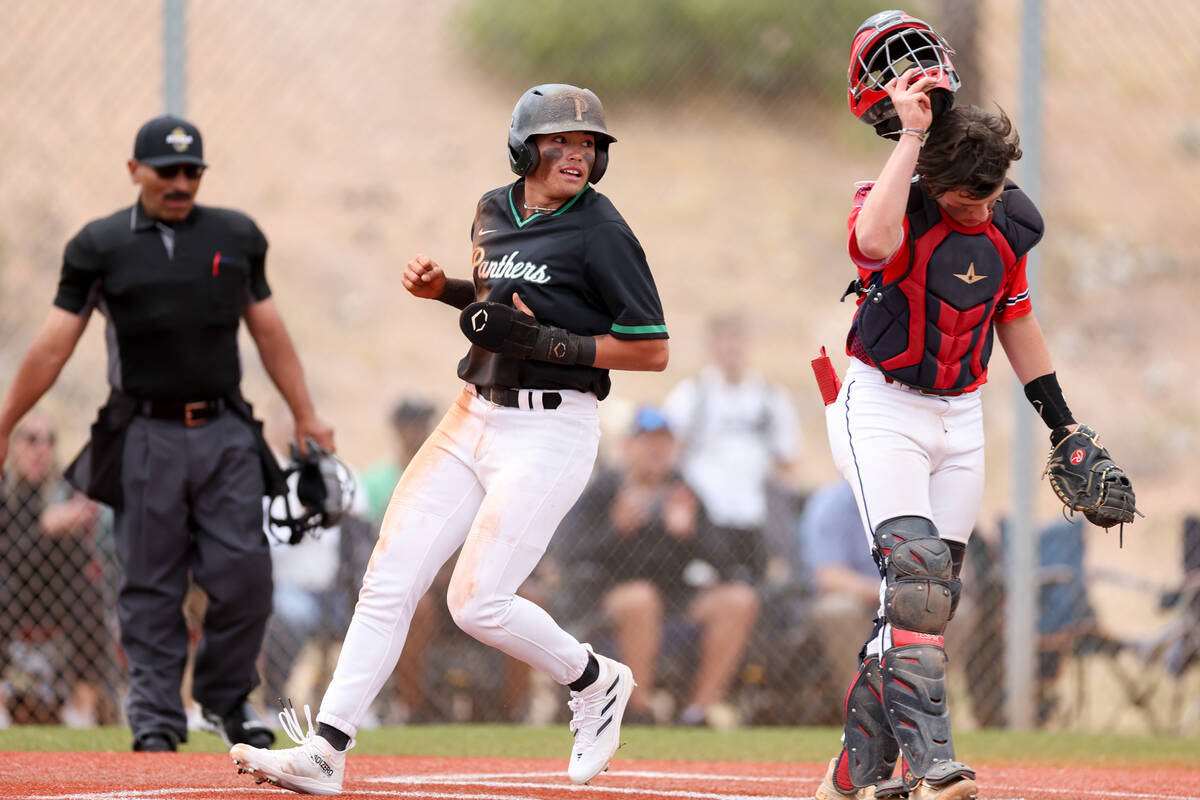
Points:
(884, 47)
(320, 491)
(556, 108)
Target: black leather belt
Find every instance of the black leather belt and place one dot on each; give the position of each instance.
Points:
(511, 398)
(191, 414)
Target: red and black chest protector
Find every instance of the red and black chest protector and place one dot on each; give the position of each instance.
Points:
(932, 327)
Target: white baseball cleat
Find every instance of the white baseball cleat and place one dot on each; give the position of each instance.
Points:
(314, 767)
(596, 722)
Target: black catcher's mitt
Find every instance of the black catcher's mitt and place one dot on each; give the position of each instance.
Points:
(1086, 479)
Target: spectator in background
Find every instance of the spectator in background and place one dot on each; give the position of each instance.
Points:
(57, 661)
(738, 434)
(410, 422)
(643, 535)
(845, 597)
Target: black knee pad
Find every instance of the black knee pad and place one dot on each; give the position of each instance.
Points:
(922, 590)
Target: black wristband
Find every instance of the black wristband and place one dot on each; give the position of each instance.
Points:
(559, 346)
(458, 293)
(1046, 396)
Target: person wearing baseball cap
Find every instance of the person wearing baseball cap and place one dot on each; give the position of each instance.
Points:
(167, 163)
(175, 450)
(168, 140)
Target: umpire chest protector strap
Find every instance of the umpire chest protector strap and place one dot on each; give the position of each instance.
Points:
(932, 327)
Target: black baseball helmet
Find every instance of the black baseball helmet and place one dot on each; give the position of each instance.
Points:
(556, 108)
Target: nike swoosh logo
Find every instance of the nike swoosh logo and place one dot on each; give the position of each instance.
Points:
(485, 233)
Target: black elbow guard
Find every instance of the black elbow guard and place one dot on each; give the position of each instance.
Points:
(505, 330)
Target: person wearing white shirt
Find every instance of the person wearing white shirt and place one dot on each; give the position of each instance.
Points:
(738, 434)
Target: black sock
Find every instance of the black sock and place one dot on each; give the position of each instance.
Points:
(332, 735)
(590, 673)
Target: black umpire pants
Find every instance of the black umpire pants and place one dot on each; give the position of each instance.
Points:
(192, 504)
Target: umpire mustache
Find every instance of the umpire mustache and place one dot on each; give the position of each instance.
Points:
(176, 194)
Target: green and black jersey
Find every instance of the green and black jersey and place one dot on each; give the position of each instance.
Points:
(579, 268)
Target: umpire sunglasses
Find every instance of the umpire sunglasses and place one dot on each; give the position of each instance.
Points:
(190, 171)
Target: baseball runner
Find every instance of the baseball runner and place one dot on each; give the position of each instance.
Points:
(941, 268)
(561, 294)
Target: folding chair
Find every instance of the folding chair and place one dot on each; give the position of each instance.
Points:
(1155, 673)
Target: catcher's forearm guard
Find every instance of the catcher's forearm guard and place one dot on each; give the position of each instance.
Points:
(503, 329)
(1086, 479)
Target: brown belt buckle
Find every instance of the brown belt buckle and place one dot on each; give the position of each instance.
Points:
(189, 418)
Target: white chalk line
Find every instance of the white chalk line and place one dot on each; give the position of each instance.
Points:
(492, 780)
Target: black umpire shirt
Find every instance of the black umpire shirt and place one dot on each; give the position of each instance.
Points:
(579, 268)
(173, 295)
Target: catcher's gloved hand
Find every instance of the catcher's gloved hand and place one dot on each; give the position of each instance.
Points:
(1086, 479)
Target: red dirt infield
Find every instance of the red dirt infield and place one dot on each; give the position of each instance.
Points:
(192, 776)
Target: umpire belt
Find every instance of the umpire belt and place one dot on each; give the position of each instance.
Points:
(193, 415)
(527, 399)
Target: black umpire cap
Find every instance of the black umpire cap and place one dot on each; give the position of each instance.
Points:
(168, 140)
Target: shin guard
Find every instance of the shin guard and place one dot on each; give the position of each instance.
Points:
(870, 750)
(914, 695)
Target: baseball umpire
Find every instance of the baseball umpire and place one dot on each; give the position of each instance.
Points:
(175, 449)
(511, 456)
(940, 242)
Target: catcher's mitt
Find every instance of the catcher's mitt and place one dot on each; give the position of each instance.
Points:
(1086, 479)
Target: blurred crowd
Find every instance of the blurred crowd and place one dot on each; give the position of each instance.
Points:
(737, 595)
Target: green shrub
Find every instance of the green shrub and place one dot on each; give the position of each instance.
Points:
(771, 49)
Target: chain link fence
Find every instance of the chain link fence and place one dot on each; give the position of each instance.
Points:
(360, 134)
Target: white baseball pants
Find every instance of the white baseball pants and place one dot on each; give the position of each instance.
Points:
(907, 454)
(497, 481)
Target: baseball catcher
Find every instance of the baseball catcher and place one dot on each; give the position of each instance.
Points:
(939, 242)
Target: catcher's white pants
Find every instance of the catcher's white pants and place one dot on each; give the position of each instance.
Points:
(497, 481)
(907, 454)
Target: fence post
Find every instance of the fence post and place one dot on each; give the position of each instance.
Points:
(174, 56)
(1022, 564)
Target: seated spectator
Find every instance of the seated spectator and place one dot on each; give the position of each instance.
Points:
(57, 663)
(835, 550)
(642, 536)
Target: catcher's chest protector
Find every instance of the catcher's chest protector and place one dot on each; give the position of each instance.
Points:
(932, 327)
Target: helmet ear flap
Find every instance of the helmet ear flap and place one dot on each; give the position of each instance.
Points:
(523, 157)
(600, 165)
